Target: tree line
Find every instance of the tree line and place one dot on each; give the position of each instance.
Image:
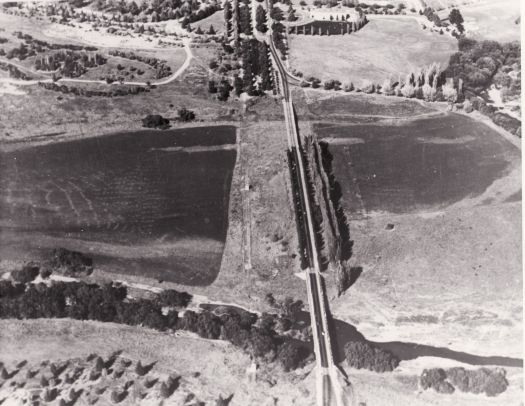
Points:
(110, 303)
(81, 91)
(69, 63)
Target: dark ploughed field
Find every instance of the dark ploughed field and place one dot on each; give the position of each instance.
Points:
(152, 203)
(422, 164)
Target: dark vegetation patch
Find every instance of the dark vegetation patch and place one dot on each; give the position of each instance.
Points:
(155, 121)
(336, 196)
(477, 62)
(482, 64)
(401, 169)
(492, 382)
(363, 355)
(27, 274)
(70, 263)
(116, 91)
(126, 189)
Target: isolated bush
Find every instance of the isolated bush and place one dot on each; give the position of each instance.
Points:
(363, 355)
(70, 263)
(10, 289)
(432, 378)
(155, 121)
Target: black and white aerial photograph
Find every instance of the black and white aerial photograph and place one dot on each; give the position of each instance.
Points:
(261, 203)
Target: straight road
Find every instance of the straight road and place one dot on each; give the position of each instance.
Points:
(328, 388)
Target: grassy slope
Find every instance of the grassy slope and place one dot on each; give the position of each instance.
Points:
(216, 19)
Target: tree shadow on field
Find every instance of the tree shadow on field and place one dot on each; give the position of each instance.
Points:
(343, 333)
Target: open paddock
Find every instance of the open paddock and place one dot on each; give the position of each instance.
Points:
(150, 203)
(385, 47)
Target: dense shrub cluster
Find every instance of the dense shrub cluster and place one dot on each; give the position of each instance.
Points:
(361, 355)
(492, 382)
(173, 298)
(70, 263)
(70, 63)
(162, 69)
(145, 11)
(256, 62)
(43, 45)
(27, 274)
(477, 62)
(9, 289)
(435, 379)
(80, 91)
(81, 301)
(186, 115)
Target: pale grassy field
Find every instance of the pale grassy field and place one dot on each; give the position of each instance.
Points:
(493, 20)
(386, 47)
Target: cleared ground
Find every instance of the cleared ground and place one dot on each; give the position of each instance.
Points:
(386, 47)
